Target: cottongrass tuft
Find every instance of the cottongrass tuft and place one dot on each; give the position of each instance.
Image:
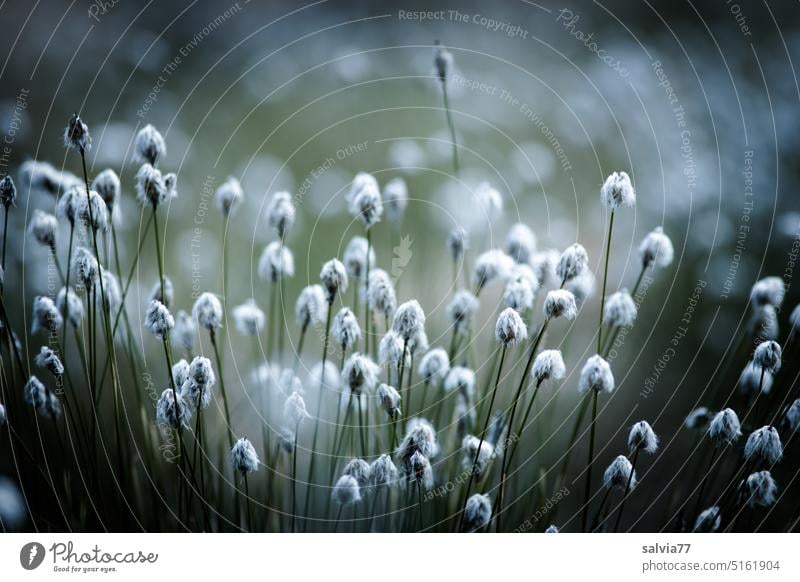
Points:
(791, 418)
(763, 446)
(620, 310)
(46, 316)
(367, 206)
(167, 297)
(43, 176)
(200, 379)
(460, 379)
(708, 521)
(8, 192)
(346, 490)
(229, 196)
(620, 474)
(618, 191)
(355, 257)
(572, 262)
(359, 373)
(458, 243)
(276, 262)
(642, 437)
(596, 375)
(185, 330)
(359, 470)
(249, 318)
(389, 400)
(490, 201)
(462, 307)
(334, 279)
(395, 198)
(75, 305)
(85, 267)
(167, 413)
(552, 529)
(69, 204)
(560, 303)
(698, 419)
(112, 290)
(48, 359)
(380, 293)
(768, 356)
(760, 489)
(478, 511)
(474, 456)
(409, 320)
(510, 329)
(753, 379)
(108, 186)
(149, 146)
(434, 365)
(491, 265)
(35, 393)
(180, 373)
(442, 62)
(520, 243)
(158, 320)
(93, 211)
(44, 228)
(656, 249)
(724, 428)
(346, 331)
(383, 472)
(548, 365)
(294, 409)
(311, 307)
(151, 188)
(390, 350)
(420, 437)
(281, 213)
(768, 291)
(419, 471)
(764, 322)
(76, 135)
(207, 310)
(13, 507)
(244, 458)
(519, 294)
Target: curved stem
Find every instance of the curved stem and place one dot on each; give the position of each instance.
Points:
(605, 280)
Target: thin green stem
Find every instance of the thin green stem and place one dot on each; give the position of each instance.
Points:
(590, 462)
(605, 280)
(451, 126)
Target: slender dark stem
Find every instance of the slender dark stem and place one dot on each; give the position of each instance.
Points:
(590, 462)
(603, 296)
(699, 504)
(294, 477)
(419, 503)
(218, 359)
(627, 489)
(5, 233)
(366, 301)
(451, 126)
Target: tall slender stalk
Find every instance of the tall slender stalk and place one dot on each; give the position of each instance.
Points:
(627, 489)
(451, 126)
(605, 281)
(218, 359)
(590, 462)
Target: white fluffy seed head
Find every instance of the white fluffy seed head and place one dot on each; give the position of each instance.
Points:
(390, 350)
(596, 375)
(548, 365)
(281, 213)
(151, 188)
(434, 365)
(581, 286)
(346, 331)
(359, 470)
(76, 135)
(359, 374)
(490, 201)
(764, 322)
(44, 228)
(520, 243)
(620, 474)
(361, 181)
(229, 196)
(478, 511)
(442, 62)
(294, 409)
(355, 257)
(560, 303)
(656, 249)
(642, 437)
(462, 307)
(172, 415)
(760, 489)
(8, 192)
(544, 264)
(149, 146)
(167, 297)
(85, 267)
(158, 320)
(334, 279)
(69, 203)
(330, 380)
(754, 379)
(791, 418)
(244, 458)
(409, 320)
(618, 191)
(420, 437)
(572, 262)
(43, 176)
(768, 291)
(476, 454)
(764, 446)
(46, 316)
(460, 379)
(249, 318)
(311, 307)
(620, 310)
(276, 262)
(395, 199)
(510, 329)
(708, 521)
(346, 490)
(383, 472)
(458, 242)
(419, 471)
(519, 294)
(35, 393)
(207, 311)
(180, 373)
(491, 265)
(389, 400)
(107, 185)
(768, 356)
(48, 359)
(380, 293)
(724, 428)
(366, 204)
(185, 330)
(70, 305)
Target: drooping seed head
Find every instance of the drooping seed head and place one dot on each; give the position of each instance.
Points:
(346, 331)
(76, 135)
(768, 356)
(85, 267)
(572, 262)
(249, 318)
(107, 185)
(43, 176)
(390, 350)
(167, 297)
(596, 375)
(754, 379)
(158, 320)
(434, 365)
(620, 474)
(355, 257)
(442, 62)
(366, 205)
(560, 303)
(724, 428)
(708, 521)
(244, 458)
(311, 307)
(544, 264)
(383, 472)
(389, 400)
(359, 470)
(419, 471)
(760, 489)
(462, 307)
(8, 192)
(698, 419)
(48, 359)
(151, 189)
(346, 491)
(281, 213)
(207, 310)
(74, 311)
(69, 204)
(180, 373)
(473, 456)
(46, 316)
(618, 191)
(477, 511)
(520, 243)
(460, 379)
(35, 393)
(519, 294)
(420, 437)
(44, 228)
(359, 374)
(768, 291)
(548, 365)
(764, 447)
(510, 329)
(791, 418)
(380, 293)
(334, 279)
(185, 330)
(458, 243)
(93, 211)
(620, 310)
(409, 320)
(491, 265)
(656, 249)
(148, 146)
(294, 409)
(276, 262)
(229, 196)
(168, 414)
(642, 437)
